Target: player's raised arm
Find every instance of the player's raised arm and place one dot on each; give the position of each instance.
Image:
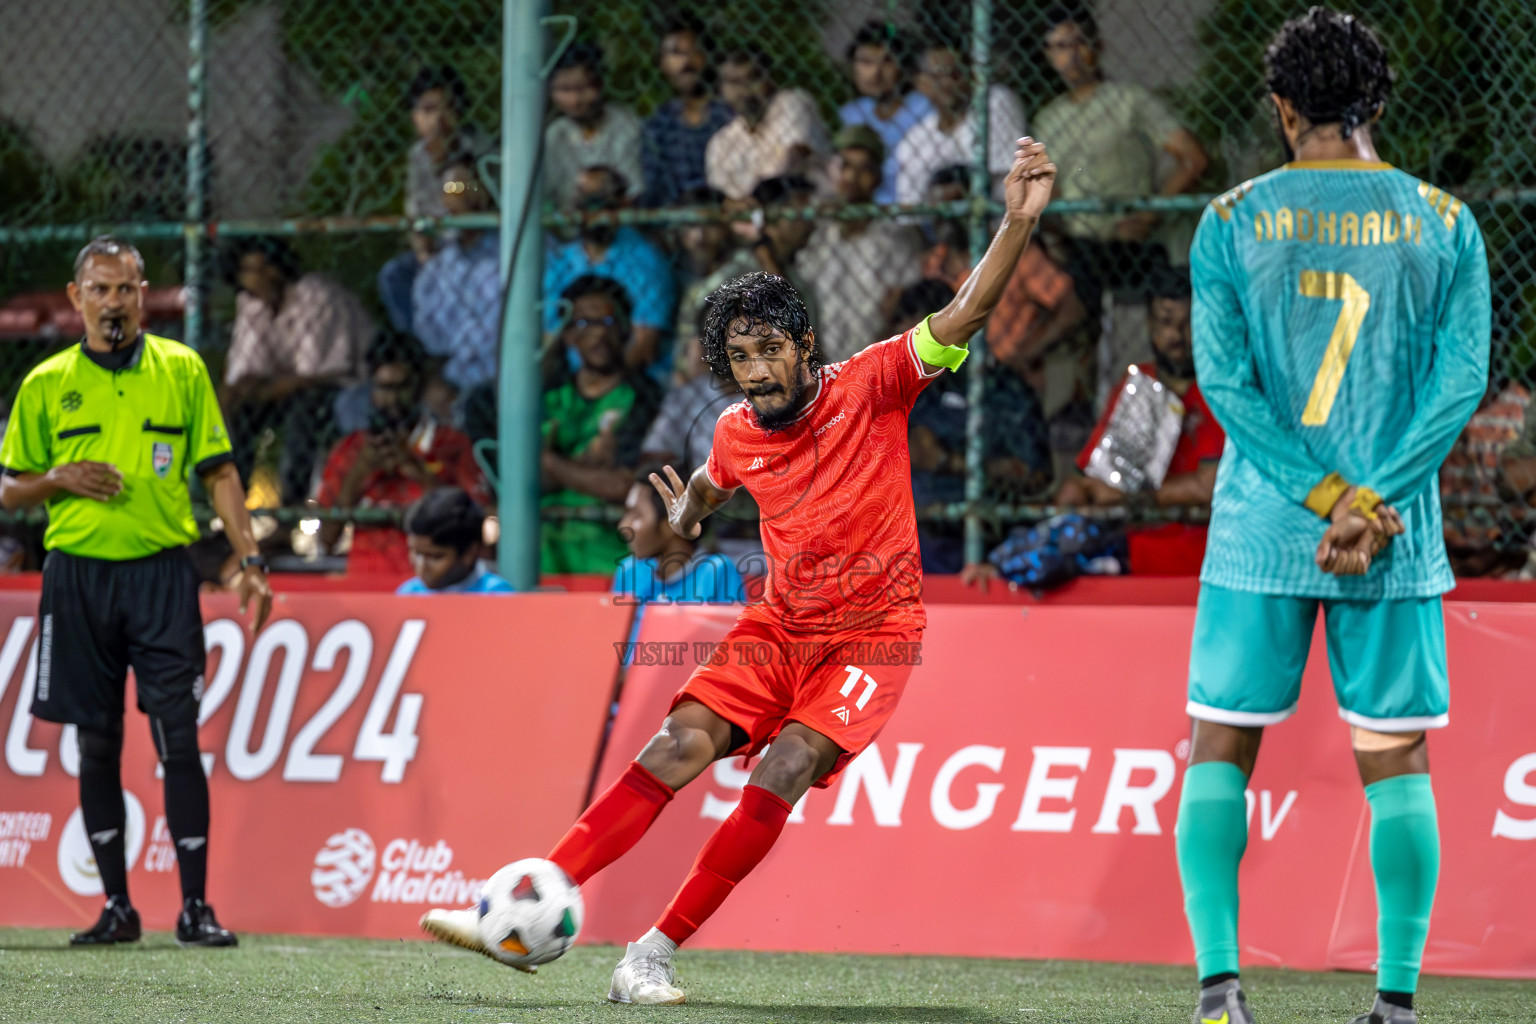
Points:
(688, 505)
(1025, 191)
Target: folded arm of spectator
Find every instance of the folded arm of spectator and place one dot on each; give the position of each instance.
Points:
(1050, 327)
(1188, 489)
(1181, 490)
(1190, 161)
(643, 348)
(273, 389)
(610, 483)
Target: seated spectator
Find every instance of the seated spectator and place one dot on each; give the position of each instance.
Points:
(1112, 135)
(947, 135)
(1189, 479)
(436, 101)
(881, 60)
(778, 237)
(297, 339)
(1487, 483)
(588, 131)
(593, 425)
(855, 267)
(620, 254)
(774, 132)
(354, 406)
(1039, 326)
(675, 137)
(1015, 451)
(445, 531)
(664, 567)
(403, 454)
(457, 295)
(710, 258)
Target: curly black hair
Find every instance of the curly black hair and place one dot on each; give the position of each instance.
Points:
(764, 302)
(1331, 66)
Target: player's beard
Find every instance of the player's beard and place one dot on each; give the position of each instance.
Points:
(780, 419)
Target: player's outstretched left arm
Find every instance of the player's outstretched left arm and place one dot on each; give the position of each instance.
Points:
(688, 504)
(1025, 191)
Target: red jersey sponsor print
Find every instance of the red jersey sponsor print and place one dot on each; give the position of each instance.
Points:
(835, 494)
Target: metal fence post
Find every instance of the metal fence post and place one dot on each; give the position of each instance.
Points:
(981, 193)
(194, 275)
(517, 453)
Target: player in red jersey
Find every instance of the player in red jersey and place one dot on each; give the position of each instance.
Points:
(817, 662)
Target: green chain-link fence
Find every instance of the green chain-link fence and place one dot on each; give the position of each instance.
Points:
(307, 118)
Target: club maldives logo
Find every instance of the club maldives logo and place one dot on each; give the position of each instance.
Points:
(408, 870)
(77, 864)
(343, 867)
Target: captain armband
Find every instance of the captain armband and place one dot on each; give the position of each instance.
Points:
(930, 351)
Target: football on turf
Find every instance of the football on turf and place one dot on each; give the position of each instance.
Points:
(530, 913)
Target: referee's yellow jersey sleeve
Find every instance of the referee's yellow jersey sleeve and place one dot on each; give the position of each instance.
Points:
(208, 437)
(27, 447)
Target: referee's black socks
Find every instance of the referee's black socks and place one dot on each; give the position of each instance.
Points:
(186, 815)
(101, 805)
(186, 798)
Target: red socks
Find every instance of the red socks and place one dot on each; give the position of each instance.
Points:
(738, 845)
(622, 814)
(614, 823)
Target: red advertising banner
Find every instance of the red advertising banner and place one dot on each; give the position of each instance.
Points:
(369, 756)
(1022, 801)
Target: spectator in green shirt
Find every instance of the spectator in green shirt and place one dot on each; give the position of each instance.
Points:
(594, 422)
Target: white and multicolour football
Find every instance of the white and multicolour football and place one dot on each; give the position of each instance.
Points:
(530, 913)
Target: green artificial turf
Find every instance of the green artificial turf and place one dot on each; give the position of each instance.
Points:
(282, 979)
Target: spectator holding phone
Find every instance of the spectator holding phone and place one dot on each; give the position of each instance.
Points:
(404, 453)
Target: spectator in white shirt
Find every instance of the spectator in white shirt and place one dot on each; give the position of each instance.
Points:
(948, 135)
(857, 267)
(775, 132)
(588, 131)
(297, 340)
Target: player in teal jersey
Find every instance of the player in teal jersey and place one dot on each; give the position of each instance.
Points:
(1341, 327)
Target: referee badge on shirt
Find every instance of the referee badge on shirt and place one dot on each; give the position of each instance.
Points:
(162, 459)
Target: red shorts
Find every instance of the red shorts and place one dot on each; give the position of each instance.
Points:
(843, 685)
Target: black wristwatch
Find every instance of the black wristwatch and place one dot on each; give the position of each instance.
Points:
(253, 562)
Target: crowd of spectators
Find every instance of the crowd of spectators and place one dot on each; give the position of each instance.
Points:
(1098, 306)
(362, 418)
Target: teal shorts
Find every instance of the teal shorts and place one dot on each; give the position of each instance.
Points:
(1387, 659)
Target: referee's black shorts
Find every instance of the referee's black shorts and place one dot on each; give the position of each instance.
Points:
(99, 618)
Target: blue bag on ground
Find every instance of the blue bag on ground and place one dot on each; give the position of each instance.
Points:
(1052, 552)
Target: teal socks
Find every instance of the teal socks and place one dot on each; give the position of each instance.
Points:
(1405, 858)
(1210, 837)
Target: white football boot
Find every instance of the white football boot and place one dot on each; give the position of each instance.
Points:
(461, 928)
(644, 976)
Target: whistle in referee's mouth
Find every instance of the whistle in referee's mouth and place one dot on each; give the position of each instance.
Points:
(115, 330)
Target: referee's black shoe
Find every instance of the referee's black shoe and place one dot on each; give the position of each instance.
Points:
(119, 922)
(198, 927)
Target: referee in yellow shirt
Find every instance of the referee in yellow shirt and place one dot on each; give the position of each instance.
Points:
(107, 434)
